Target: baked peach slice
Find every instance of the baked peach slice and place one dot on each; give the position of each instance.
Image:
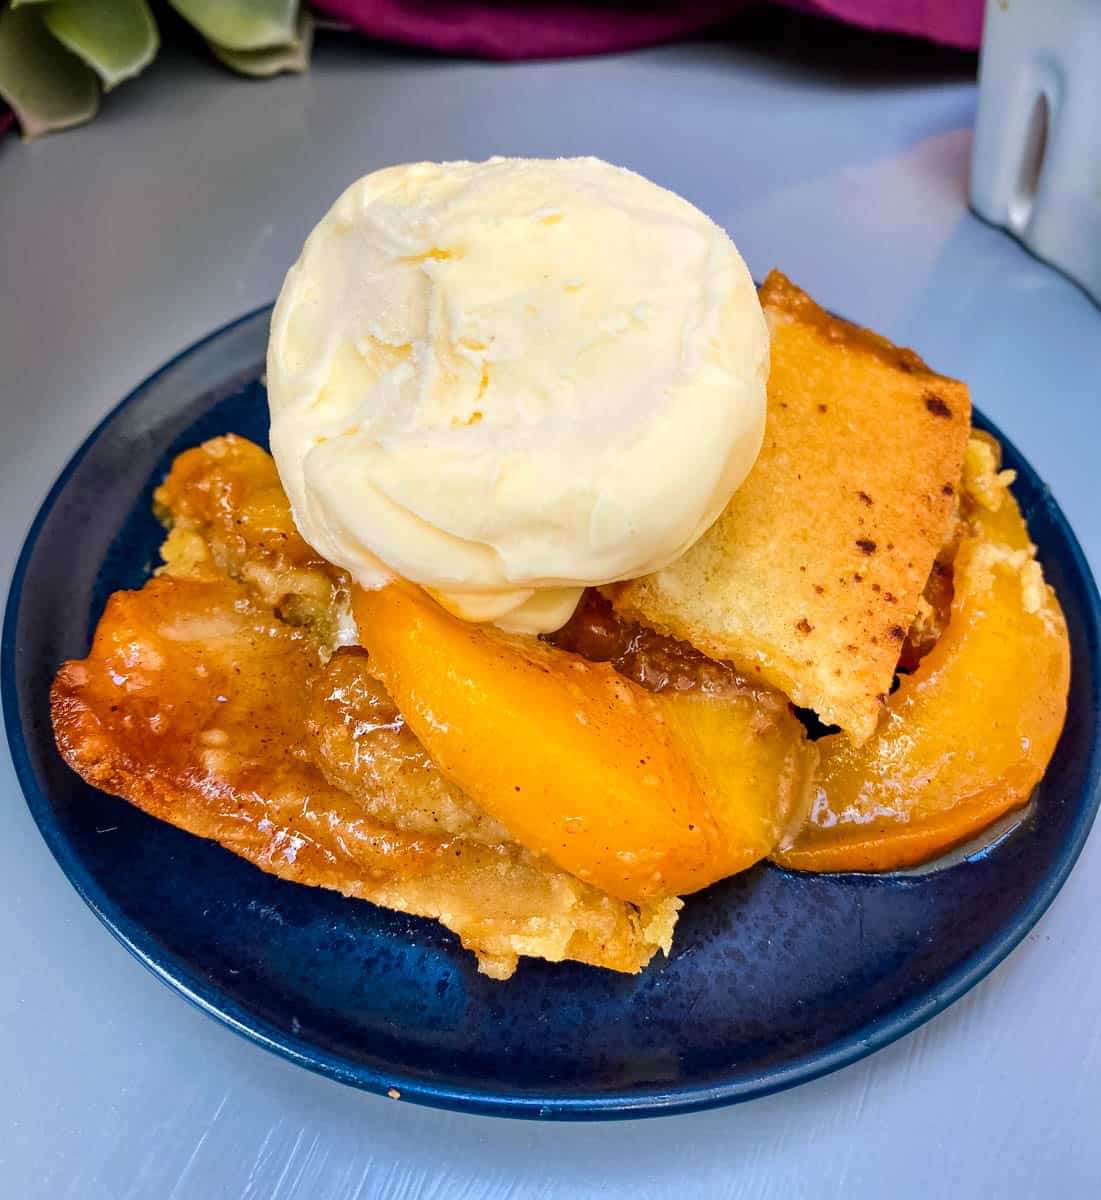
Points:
(641, 794)
(967, 736)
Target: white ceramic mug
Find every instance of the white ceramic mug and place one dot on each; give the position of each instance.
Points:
(1036, 163)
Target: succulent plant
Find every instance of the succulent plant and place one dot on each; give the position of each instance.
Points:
(58, 56)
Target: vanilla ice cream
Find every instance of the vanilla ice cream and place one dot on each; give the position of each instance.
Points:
(506, 381)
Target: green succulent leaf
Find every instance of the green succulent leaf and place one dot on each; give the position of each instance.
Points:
(293, 57)
(116, 38)
(47, 86)
(241, 24)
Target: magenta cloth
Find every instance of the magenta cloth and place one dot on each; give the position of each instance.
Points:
(513, 29)
(7, 120)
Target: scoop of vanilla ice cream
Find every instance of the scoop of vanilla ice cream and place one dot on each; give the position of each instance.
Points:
(509, 380)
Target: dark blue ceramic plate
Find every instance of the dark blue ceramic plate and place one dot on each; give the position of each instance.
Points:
(775, 977)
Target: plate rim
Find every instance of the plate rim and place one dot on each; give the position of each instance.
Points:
(659, 1101)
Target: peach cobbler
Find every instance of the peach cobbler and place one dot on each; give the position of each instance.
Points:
(583, 576)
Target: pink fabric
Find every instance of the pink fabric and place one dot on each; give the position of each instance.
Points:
(7, 120)
(512, 29)
(951, 22)
(515, 29)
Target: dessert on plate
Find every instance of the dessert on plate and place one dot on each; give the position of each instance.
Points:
(582, 575)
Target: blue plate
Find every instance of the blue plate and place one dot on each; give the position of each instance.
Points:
(775, 977)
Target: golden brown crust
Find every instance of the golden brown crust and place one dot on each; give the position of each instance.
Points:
(812, 575)
(227, 510)
(779, 295)
(192, 705)
(202, 707)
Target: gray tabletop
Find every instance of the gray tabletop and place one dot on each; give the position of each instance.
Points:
(181, 208)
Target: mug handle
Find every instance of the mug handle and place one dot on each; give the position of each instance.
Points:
(1020, 103)
(1037, 152)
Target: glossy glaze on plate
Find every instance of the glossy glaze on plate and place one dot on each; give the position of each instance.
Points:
(774, 978)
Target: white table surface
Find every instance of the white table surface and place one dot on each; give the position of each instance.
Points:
(180, 208)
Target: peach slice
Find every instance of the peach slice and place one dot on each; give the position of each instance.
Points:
(641, 794)
(964, 739)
